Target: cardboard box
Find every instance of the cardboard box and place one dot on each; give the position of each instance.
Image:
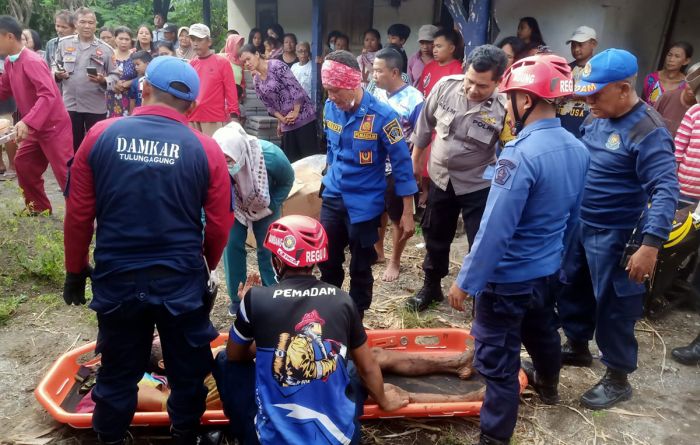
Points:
(303, 198)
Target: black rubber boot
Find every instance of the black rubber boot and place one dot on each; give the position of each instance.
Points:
(545, 387)
(487, 440)
(196, 438)
(610, 390)
(429, 293)
(688, 355)
(576, 354)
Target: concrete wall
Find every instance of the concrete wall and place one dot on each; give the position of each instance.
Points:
(625, 24)
(241, 16)
(295, 16)
(413, 13)
(635, 25)
(686, 26)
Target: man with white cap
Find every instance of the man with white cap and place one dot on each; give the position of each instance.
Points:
(613, 251)
(424, 55)
(217, 102)
(572, 112)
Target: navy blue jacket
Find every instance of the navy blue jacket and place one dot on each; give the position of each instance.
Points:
(145, 179)
(534, 199)
(632, 164)
(358, 146)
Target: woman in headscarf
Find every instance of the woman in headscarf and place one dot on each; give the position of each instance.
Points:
(262, 178)
(234, 42)
(184, 50)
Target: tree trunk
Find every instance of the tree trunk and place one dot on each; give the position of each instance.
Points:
(21, 10)
(161, 6)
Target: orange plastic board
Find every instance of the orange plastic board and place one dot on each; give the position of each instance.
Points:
(60, 379)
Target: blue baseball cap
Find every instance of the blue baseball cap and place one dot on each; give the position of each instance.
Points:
(612, 65)
(163, 71)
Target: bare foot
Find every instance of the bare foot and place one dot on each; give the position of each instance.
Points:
(381, 259)
(392, 272)
(466, 368)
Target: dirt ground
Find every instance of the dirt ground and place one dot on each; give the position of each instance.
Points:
(665, 409)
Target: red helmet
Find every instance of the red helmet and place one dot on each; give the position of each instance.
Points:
(545, 75)
(297, 240)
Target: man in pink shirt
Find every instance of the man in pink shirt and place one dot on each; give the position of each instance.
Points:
(217, 102)
(44, 134)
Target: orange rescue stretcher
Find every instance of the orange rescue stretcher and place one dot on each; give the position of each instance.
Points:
(60, 381)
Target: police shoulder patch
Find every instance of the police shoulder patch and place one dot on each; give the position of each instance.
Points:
(393, 131)
(505, 170)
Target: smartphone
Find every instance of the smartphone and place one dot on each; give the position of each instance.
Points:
(92, 71)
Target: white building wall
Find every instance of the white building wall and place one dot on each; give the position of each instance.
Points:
(414, 13)
(295, 16)
(628, 24)
(634, 25)
(241, 16)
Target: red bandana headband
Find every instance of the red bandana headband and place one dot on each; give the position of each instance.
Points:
(337, 75)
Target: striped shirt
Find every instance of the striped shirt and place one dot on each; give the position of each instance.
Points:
(688, 152)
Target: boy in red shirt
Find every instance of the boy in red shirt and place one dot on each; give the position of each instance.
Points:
(217, 102)
(448, 53)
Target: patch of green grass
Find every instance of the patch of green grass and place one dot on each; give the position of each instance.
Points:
(414, 320)
(598, 414)
(48, 300)
(8, 306)
(453, 437)
(45, 259)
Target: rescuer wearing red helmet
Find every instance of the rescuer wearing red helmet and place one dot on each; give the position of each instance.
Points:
(300, 332)
(534, 200)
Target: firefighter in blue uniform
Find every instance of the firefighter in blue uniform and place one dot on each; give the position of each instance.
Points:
(145, 179)
(534, 200)
(361, 133)
(632, 170)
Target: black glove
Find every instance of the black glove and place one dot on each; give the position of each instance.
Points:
(74, 287)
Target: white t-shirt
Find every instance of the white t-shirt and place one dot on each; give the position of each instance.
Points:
(303, 75)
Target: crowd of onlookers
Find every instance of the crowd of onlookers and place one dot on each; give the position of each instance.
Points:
(127, 53)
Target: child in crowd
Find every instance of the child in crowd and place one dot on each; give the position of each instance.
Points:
(165, 48)
(141, 60)
(398, 35)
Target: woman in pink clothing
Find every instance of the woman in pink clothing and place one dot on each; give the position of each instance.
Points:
(671, 77)
(234, 43)
(372, 44)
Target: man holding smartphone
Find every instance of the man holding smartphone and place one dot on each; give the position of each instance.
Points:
(84, 66)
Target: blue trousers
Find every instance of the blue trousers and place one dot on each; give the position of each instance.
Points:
(235, 266)
(506, 316)
(598, 296)
(236, 384)
(361, 238)
(124, 339)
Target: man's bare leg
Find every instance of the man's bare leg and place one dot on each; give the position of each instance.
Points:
(11, 149)
(379, 245)
(393, 267)
(417, 364)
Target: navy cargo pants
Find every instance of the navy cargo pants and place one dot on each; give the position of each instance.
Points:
(506, 316)
(125, 336)
(598, 295)
(360, 238)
